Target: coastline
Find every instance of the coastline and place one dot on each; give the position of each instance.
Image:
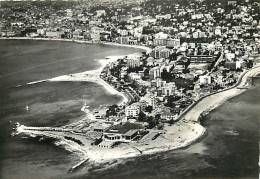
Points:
(90, 75)
(210, 102)
(97, 155)
(147, 49)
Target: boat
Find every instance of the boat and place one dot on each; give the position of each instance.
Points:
(27, 107)
(232, 132)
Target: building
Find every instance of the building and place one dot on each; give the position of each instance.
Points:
(154, 102)
(133, 60)
(160, 52)
(166, 114)
(159, 42)
(123, 32)
(101, 127)
(160, 39)
(122, 132)
(158, 83)
(230, 65)
(133, 110)
(240, 64)
(95, 36)
(155, 73)
(69, 13)
(173, 43)
(230, 56)
(106, 144)
(100, 12)
(169, 89)
(134, 76)
(166, 16)
(201, 59)
(150, 61)
(122, 40)
(143, 104)
(205, 80)
(53, 34)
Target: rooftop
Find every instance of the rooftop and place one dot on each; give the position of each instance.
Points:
(123, 129)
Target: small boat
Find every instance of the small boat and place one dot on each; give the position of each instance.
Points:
(232, 132)
(27, 107)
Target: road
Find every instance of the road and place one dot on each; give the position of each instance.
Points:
(212, 101)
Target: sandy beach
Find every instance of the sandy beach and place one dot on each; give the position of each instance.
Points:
(147, 49)
(88, 76)
(179, 135)
(176, 136)
(93, 76)
(212, 101)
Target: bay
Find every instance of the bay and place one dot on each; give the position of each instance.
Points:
(50, 104)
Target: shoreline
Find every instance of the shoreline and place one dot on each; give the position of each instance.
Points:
(97, 155)
(206, 104)
(211, 101)
(92, 76)
(81, 76)
(147, 49)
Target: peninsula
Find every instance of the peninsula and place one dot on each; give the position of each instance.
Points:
(198, 55)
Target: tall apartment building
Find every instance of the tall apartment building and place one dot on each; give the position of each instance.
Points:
(155, 73)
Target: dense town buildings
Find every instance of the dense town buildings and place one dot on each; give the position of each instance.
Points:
(197, 48)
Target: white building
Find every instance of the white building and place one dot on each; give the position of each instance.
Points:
(160, 35)
(160, 39)
(69, 13)
(240, 64)
(158, 83)
(166, 16)
(155, 73)
(132, 110)
(160, 52)
(205, 79)
(134, 76)
(100, 12)
(169, 89)
(133, 60)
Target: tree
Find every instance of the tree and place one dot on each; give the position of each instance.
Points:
(146, 72)
(171, 122)
(141, 117)
(152, 122)
(112, 110)
(160, 126)
(157, 116)
(135, 69)
(166, 75)
(173, 57)
(250, 64)
(149, 109)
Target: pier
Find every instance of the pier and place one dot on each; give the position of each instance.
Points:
(78, 165)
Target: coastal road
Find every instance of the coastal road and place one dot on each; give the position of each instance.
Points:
(210, 102)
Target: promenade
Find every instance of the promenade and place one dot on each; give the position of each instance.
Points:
(212, 101)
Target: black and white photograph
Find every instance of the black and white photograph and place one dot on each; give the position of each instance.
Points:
(129, 89)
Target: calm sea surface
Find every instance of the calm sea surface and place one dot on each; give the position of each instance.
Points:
(50, 104)
(229, 149)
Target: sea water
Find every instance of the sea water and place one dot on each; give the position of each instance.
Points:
(49, 103)
(229, 148)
